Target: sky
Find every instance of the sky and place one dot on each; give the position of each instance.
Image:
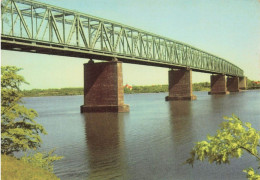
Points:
(229, 29)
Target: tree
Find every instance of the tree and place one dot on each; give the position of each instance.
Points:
(19, 131)
(231, 141)
(42, 160)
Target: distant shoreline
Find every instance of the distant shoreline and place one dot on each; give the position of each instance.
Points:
(202, 86)
(56, 94)
(127, 90)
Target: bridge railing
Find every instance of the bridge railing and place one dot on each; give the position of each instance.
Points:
(39, 22)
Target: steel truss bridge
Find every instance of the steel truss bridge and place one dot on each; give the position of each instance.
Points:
(37, 27)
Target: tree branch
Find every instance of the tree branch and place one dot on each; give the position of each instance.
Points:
(242, 147)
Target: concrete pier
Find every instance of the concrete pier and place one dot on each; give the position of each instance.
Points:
(233, 84)
(218, 84)
(180, 85)
(242, 83)
(103, 87)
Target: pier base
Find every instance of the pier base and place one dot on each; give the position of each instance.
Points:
(180, 85)
(218, 84)
(103, 87)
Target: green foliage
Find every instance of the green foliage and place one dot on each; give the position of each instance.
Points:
(42, 160)
(19, 131)
(147, 89)
(231, 141)
(53, 92)
(252, 85)
(202, 86)
(251, 174)
(12, 168)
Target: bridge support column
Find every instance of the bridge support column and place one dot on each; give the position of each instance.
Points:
(218, 84)
(233, 84)
(180, 85)
(242, 83)
(103, 87)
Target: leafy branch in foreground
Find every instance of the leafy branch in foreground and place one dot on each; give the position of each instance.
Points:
(42, 160)
(232, 139)
(19, 130)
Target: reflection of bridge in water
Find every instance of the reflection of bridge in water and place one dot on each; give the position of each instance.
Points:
(105, 142)
(36, 27)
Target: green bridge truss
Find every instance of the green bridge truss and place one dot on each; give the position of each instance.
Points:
(37, 27)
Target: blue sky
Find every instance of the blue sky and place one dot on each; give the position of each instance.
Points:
(229, 29)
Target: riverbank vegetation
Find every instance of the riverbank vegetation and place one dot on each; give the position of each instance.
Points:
(251, 84)
(12, 168)
(53, 92)
(145, 89)
(20, 132)
(204, 86)
(232, 140)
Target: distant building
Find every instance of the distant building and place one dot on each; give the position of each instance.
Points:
(128, 87)
(256, 82)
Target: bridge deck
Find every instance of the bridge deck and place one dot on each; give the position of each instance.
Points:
(41, 28)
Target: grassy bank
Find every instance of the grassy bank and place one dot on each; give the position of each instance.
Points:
(12, 168)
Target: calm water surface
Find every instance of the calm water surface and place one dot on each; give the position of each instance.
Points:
(150, 142)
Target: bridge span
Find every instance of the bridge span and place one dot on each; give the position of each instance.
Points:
(36, 27)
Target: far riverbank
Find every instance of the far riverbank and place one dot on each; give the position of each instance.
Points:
(202, 86)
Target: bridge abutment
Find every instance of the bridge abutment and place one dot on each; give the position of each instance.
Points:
(218, 84)
(233, 84)
(103, 87)
(242, 83)
(180, 85)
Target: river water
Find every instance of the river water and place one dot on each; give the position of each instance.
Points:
(150, 142)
